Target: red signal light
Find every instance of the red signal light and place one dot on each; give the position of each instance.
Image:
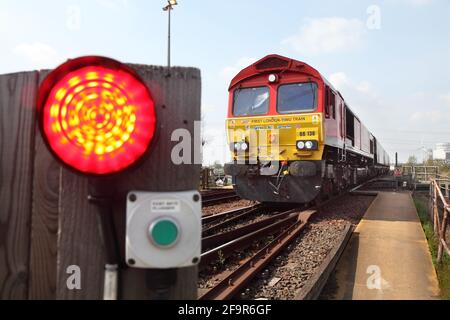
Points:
(96, 115)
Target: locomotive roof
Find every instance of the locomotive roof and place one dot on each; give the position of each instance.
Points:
(277, 63)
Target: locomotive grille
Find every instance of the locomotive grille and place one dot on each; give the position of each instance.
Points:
(272, 63)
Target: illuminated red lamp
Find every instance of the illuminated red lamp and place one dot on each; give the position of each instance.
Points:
(96, 115)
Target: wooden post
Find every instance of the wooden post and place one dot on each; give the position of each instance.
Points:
(205, 178)
(17, 128)
(177, 101)
(48, 227)
(44, 223)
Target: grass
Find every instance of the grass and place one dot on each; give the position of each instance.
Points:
(443, 268)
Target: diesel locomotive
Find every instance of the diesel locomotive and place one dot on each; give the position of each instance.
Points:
(293, 137)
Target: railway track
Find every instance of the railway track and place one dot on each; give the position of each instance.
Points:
(213, 197)
(212, 218)
(273, 227)
(289, 226)
(238, 250)
(277, 227)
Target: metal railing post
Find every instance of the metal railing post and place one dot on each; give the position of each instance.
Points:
(435, 215)
(440, 225)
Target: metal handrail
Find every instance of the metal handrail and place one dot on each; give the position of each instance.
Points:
(440, 227)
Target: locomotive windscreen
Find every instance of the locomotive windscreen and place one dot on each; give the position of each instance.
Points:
(251, 101)
(297, 97)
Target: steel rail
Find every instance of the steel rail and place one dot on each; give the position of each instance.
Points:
(227, 249)
(214, 217)
(219, 239)
(217, 193)
(234, 283)
(233, 219)
(219, 199)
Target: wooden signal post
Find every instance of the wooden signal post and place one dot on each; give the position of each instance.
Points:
(50, 226)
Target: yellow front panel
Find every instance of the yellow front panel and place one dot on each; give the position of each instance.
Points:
(263, 133)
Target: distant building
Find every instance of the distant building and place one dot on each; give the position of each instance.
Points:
(428, 154)
(442, 152)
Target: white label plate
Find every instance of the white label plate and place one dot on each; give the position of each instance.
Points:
(166, 206)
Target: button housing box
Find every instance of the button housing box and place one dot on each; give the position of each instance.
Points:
(144, 210)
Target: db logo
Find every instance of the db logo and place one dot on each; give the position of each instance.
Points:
(315, 119)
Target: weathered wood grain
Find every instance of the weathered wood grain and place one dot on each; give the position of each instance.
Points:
(17, 132)
(79, 243)
(177, 99)
(44, 225)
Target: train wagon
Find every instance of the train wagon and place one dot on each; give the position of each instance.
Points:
(293, 137)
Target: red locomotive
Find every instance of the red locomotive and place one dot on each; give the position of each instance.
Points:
(293, 137)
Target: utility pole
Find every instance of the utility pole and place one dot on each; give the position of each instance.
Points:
(169, 8)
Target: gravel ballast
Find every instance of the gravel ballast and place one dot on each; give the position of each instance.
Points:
(227, 206)
(286, 275)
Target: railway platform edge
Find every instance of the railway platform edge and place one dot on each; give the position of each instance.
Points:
(387, 257)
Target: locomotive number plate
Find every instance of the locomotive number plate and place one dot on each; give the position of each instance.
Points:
(308, 134)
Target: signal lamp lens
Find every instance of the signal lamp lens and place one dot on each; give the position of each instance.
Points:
(96, 115)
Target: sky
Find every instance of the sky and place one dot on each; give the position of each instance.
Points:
(390, 59)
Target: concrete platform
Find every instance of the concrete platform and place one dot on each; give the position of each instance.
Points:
(387, 257)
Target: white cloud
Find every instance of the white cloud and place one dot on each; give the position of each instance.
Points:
(431, 117)
(339, 80)
(365, 87)
(343, 83)
(446, 98)
(413, 3)
(230, 72)
(113, 4)
(3, 21)
(209, 108)
(327, 35)
(39, 54)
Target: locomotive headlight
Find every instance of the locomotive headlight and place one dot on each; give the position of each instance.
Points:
(244, 146)
(300, 145)
(273, 78)
(307, 145)
(237, 146)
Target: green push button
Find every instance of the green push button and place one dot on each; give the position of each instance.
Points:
(164, 233)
